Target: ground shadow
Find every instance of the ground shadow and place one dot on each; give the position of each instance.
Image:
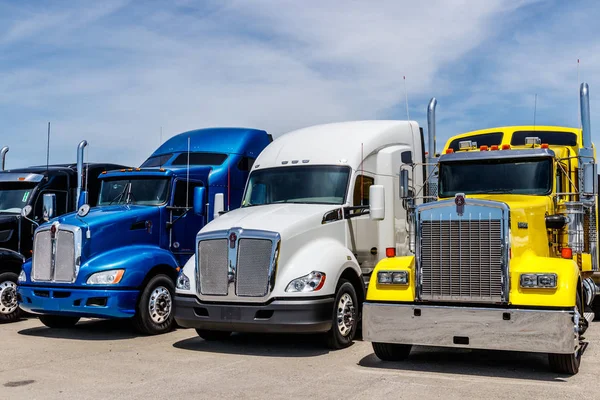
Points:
(502, 364)
(87, 330)
(265, 345)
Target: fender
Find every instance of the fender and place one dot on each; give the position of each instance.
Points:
(137, 260)
(325, 255)
(388, 292)
(564, 295)
(11, 261)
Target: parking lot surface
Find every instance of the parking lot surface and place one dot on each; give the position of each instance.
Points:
(106, 360)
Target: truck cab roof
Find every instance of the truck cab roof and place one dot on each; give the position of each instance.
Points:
(343, 143)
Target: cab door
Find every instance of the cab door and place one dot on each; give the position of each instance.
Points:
(183, 222)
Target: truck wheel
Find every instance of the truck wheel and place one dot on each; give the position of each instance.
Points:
(345, 317)
(210, 336)
(58, 321)
(155, 307)
(391, 351)
(565, 363)
(9, 308)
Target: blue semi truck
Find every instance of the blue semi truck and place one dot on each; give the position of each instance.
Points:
(121, 258)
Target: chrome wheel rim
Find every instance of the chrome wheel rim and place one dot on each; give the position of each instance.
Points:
(160, 304)
(345, 314)
(8, 297)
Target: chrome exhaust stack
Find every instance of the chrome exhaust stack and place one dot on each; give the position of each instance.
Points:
(588, 182)
(431, 178)
(80, 149)
(3, 157)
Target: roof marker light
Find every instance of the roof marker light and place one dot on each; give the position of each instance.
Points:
(449, 151)
(494, 147)
(390, 252)
(506, 147)
(544, 145)
(566, 253)
(483, 148)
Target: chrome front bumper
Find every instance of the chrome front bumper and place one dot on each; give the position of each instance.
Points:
(543, 331)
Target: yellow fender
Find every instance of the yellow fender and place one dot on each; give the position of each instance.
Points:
(388, 292)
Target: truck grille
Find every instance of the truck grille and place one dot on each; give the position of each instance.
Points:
(242, 267)
(54, 261)
(213, 263)
(254, 260)
(461, 260)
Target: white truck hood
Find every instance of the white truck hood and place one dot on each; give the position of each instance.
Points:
(286, 219)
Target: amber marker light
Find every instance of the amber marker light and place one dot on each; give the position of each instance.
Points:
(494, 147)
(449, 151)
(390, 252)
(544, 145)
(566, 253)
(483, 148)
(506, 147)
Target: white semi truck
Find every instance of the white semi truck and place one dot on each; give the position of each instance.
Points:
(321, 208)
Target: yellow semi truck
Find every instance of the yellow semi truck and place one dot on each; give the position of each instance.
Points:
(504, 235)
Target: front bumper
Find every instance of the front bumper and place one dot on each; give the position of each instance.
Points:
(544, 331)
(97, 303)
(279, 316)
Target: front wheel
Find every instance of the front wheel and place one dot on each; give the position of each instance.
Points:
(58, 322)
(565, 363)
(155, 307)
(9, 308)
(391, 351)
(345, 317)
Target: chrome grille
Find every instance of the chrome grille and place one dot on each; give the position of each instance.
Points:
(253, 262)
(64, 262)
(41, 269)
(461, 260)
(213, 266)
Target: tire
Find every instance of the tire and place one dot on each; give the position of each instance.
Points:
(391, 351)
(58, 321)
(344, 316)
(155, 314)
(565, 363)
(9, 308)
(211, 336)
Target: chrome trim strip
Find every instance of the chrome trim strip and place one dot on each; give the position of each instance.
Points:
(543, 331)
(240, 233)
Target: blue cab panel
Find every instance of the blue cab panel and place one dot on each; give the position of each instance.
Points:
(121, 258)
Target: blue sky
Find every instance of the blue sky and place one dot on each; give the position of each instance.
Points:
(114, 72)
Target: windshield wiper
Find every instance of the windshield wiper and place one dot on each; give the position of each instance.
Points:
(120, 195)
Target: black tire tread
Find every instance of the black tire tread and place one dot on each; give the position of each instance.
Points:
(333, 339)
(15, 315)
(391, 351)
(565, 363)
(141, 320)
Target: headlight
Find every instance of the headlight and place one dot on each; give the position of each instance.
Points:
(307, 283)
(22, 277)
(392, 277)
(539, 280)
(183, 282)
(106, 277)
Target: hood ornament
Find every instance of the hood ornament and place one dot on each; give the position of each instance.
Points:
(232, 240)
(459, 200)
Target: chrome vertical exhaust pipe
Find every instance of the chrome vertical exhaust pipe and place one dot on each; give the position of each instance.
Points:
(584, 98)
(431, 132)
(3, 156)
(80, 148)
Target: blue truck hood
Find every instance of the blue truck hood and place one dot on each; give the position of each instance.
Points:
(116, 226)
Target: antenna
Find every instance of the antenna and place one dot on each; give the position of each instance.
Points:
(534, 110)
(406, 98)
(48, 149)
(187, 189)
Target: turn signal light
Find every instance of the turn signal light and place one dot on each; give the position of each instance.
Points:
(566, 253)
(390, 252)
(449, 151)
(506, 147)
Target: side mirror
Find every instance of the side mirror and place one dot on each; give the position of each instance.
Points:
(26, 211)
(219, 205)
(404, 189)
(376, 203)
(83, 210)
(49, 206)
(83, 198)
(199, 200)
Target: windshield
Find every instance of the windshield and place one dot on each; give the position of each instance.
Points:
(509, 176)
(141, 191)
(15, 195)
(302, 184)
